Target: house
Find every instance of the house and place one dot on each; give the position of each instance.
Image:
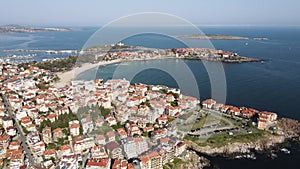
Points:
(14, 145)
(111, 120)
(4, 141)
(98, 152)
(52, 117)
(170, 98)
(248, 112)
(57, 133)
(100, 139)
(11, 131)
(7, 122)
(262, 124)
(225, 108)
(163, 120)
(235, 111)
(16, 158)
(266, 120)
(81, 143)
(148, 129)
(69, 161)
(38, 148)
(26, 121)
(122, 133)
(180, 147)
(133, 101)
(48, 154)
(134, 129)
(87, 124)
(151, 160)
(98, 164)
(65, 149)
(159, 133)
(120, 164)
(111, 136)
(99, 122)
(47, 135)
(269, 116)
(173, 111)
(218, 106)
(74, 127)
(114, 150)
(20, 115)
(31, 127)
(106, 103)
(209, 103)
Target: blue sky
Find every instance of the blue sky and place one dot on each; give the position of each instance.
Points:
(199, 12)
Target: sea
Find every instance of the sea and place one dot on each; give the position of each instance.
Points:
(271, 85)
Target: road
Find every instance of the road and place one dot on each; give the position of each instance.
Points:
(20, 131)
(209, 129)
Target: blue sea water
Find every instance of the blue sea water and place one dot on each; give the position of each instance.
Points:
(273, 85)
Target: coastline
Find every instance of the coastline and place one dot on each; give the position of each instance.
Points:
(68, 76)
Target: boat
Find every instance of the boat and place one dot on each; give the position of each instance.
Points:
(246, 156)
(273, 155)
(285, 150)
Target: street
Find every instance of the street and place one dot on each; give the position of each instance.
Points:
(22, 137)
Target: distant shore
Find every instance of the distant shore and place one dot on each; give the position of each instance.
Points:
(11, 29)
(218, 37)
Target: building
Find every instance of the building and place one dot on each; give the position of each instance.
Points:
(74, 127)
(111, 136)
(98, 164)
(114, 150)
(47, 135)
(100, 140)
(48, 154)
(209, 103)
(180, 147)
(151, 160)
(266, 120)
(57, 133)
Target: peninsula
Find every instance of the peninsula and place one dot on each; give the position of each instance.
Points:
(70, 67)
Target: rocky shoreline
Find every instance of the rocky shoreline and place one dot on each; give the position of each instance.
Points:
(288, 129)
(237, 148)
(246, 59)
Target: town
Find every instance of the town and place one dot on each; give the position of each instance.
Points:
(97, 124)
(206, 54)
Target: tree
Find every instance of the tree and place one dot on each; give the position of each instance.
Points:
(104, 111)
(174, 50)
(146, 134)
(51, 146)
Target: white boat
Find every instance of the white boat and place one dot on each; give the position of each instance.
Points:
(285, 150)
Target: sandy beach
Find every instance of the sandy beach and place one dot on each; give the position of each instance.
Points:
(67, 77)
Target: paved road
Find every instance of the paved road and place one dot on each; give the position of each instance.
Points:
(20, 131)
(211, 128)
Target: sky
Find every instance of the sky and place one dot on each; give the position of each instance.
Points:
(199, 12)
